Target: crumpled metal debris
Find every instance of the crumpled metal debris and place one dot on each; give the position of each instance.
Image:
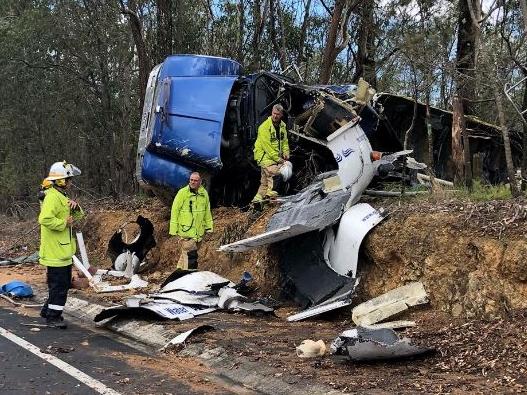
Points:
(186, 294)
(361, 344)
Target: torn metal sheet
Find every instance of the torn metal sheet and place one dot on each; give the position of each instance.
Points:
(182, 337)
(78, 264)
(164, 309)
(194, 281)
(230, 299)
(308, 278)
(312, 208)
(307, 211)
(188, 298)
(319, 309)
(363, 344)
(265, 238)
(188, 293)
(101, 286)
(351, 150)
(342, 298)
(390, 303)
(355, 223)
(207, 289)
(82, 249)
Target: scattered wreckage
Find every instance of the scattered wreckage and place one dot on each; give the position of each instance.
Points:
(363, 344)
(128, 259)
(201, 113)
(186, 294)
(321, 228)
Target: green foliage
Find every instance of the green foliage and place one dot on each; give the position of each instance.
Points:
(69, 70)
(483, 192)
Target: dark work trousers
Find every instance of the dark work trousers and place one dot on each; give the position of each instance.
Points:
(59, 282)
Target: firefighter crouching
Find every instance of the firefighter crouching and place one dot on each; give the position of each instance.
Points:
(271, 153)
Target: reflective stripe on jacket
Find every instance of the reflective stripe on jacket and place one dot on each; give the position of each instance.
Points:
(268, 149)
(57, 244)
(191, 216)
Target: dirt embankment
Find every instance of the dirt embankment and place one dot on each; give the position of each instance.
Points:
(472, 257)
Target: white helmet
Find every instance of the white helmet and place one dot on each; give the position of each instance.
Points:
(61, 170)
(286, 170)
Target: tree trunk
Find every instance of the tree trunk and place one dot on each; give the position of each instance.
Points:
(458, 130)
(523, 4)
(303, 32)
(259, 18)
(274, 35)
(429, 132)
(524, 137)
(165, 28)
(338, 28)
(414, 114)
(466, 54)
(365, 66)
(241, 29)
(142, 55)
(506, 142)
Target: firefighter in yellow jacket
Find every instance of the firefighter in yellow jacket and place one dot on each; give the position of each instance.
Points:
(271, 152)
(57, 243)
(190, 218)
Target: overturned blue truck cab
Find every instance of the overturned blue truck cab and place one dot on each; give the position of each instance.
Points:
(201, 114)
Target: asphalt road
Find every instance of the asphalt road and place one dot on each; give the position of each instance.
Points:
(89, 362)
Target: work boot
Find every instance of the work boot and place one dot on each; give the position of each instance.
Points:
(56, 322)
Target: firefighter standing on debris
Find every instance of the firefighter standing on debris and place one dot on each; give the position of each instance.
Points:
(57, 243)
(271, 152)
(190, 218)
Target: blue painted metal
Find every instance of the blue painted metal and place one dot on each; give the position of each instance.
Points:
(199, 66)
(193, 98)
(191, 126)
(164, 172)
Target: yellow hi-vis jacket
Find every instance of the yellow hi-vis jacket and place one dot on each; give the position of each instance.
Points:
(57, 243)
(190, 216)
(270, 148)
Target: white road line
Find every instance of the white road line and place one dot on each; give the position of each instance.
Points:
(65, 367)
